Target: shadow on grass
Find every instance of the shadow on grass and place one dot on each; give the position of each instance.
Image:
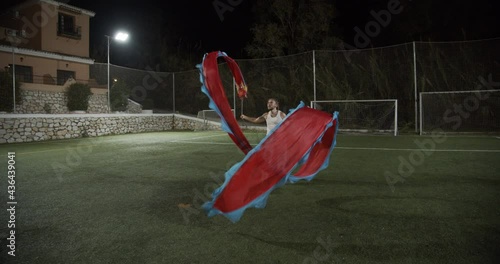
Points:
(296, 246)
(402, 207)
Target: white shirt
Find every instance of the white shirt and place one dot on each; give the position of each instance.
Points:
(271, 121)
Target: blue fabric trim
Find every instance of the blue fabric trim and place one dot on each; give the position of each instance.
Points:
(261, 201)
(294, 179)
(211, 103)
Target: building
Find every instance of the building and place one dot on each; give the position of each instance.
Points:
(48, 43)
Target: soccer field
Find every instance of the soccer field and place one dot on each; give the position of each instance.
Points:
(136, 199)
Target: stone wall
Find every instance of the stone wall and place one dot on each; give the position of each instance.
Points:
(133, 107)
(183, 122)
(44, 102)
(38, 102)
(37, 127)
(98, 103)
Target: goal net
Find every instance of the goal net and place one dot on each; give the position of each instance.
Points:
(474, 111)
(363, 116)
(209, 115)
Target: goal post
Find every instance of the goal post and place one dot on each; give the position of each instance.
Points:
(209, 115)
(471, 111)
(366, 116)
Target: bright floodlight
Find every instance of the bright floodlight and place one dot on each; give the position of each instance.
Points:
(121, 36)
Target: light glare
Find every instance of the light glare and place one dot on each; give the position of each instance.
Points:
(121, 36)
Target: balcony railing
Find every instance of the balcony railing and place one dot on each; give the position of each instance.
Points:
(50, 80)
(75, 33)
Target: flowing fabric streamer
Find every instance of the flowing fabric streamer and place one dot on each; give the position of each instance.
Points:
(302, 143)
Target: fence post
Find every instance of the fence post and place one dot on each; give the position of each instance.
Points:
(416, 87)
(396, 117)
(421, 113)
(234, 98)
(13, 80)
(173, 92)
(314, 74)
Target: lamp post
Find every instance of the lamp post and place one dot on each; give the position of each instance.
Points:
(13, 80)
(122, 37)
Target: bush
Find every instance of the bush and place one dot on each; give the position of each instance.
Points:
(78, 95)
(119, 96)
(6, 103)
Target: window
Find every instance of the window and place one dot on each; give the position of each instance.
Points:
(23, 73)
(66, 26)
(63, 76)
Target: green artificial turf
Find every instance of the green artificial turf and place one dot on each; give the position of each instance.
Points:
(136, 199)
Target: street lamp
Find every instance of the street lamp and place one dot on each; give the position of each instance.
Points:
(121, 37)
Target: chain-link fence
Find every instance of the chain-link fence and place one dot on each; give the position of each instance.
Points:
(381, 73)
(396, 72)
(456, 66)
(152, 89)
(445, 70)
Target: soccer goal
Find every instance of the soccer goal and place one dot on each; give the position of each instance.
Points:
(363, 116)
(209, 116)
(472, 111)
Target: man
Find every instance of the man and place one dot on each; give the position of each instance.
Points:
(272, 118)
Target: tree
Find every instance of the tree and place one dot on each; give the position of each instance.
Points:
(119, 96)
(428, 20)
(286, 27)
(179, 54)
(291, 26)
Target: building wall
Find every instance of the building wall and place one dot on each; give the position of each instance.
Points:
(60, 44)
(45, 70)
(31, 19)
(40, 21)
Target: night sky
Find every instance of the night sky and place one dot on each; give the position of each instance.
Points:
(190, 21)
(196, 24)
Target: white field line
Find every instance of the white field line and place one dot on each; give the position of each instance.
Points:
(61, 142)
(436, 150)
(188, 141)
(182, 140)
(57, 149)
(202, 142)
(359, 148)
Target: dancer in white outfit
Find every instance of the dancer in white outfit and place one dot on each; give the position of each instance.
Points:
(272, 118)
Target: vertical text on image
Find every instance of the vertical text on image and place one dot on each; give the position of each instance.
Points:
(11, 202)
